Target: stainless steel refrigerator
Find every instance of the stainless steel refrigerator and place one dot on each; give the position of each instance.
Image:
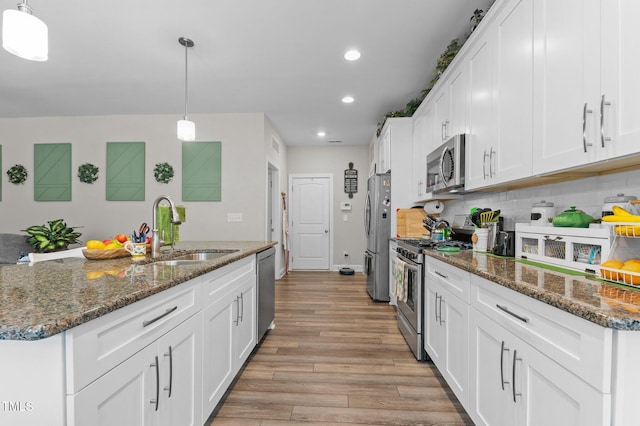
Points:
(377, 227)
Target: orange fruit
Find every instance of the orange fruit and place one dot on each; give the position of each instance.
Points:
(95, 245)
(613, 264)
(631, 267)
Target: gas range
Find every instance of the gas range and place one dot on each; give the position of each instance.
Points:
(419, 244)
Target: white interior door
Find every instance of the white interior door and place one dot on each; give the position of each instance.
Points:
(310, 222)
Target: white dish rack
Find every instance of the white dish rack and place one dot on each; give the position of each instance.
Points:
(580, 249)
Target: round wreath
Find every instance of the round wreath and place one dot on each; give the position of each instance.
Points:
(88, 173)
(17, 174)
(163, 172)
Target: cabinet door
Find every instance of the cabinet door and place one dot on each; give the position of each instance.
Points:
(121, 397)
(512, 35)
(434, 332)
(181, 374)
(442, 106)
(491, 349)
(245, 322)
(620, 83)
(547, 394)
(419, 155)
(384, 151)
(566, 83)
(217, 352)
(481, 117)
(458, 100)
(455, 316)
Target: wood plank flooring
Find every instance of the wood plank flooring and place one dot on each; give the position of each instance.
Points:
(335, 357)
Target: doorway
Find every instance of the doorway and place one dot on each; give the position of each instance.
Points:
(310, 222)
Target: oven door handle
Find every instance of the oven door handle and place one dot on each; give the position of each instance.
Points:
(412, 266)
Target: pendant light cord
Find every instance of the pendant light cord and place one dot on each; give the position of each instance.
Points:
(186, 83)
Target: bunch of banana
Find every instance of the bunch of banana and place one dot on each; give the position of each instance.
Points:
(621, 215)
(56, 236)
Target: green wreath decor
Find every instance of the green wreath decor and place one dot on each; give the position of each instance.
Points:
(88, 173)
(17, 174)
(163, 172)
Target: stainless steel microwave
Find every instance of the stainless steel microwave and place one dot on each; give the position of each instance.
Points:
(445, 167)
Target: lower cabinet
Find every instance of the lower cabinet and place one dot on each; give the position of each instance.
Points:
(159, 385)
(515, 384)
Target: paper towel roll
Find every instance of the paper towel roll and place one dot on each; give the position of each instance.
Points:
(434, 207)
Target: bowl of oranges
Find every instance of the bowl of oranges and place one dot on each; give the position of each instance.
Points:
(625, 272)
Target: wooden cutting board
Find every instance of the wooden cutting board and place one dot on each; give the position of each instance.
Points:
(409, 223)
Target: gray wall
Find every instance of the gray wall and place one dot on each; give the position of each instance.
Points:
(347, 235)
(244, 173)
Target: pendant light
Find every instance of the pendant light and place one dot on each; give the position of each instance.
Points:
(24, 35)
(186, 128)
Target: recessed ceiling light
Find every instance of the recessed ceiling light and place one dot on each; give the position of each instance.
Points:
(321, 134)
(347, 99)
(352, 55)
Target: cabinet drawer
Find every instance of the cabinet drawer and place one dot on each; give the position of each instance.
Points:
(455, 280)
(99, 345)
(215, 284)
(579, 346)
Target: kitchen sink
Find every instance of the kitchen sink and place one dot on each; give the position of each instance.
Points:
(175, 262)
(204, 255)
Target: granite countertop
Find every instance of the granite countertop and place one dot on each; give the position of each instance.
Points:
(47, 298)
(603, 303)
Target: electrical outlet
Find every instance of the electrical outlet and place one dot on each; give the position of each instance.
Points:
(234, 217)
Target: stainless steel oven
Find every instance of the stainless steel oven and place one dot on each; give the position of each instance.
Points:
(411, 304)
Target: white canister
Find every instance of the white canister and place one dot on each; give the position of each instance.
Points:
(620, 200)
(542, 213)
(479, 239)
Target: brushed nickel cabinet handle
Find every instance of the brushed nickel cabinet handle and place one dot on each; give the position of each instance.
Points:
(170, 387)
(513, 314)
(513, 375)
(585, 111)
(157, 400)
(502, 351)
(603, 138)
(167, 312)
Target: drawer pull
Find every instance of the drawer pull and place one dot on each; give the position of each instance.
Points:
(167, 312)
(513, 314)
(441, 275)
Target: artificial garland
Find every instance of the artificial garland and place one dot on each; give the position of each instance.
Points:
(88, 173)
(163, 172)
(17, 174)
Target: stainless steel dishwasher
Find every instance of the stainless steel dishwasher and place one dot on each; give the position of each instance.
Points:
(266, 290)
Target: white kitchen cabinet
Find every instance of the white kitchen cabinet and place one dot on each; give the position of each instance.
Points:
(423, 142)
(393, 255)
(398, 131)
(384, 149)
(449, 102)
(229, 324)
(515, 384)
(500, 120)
(446, 324)
(619, 106)
(567, 68)
(160, 385)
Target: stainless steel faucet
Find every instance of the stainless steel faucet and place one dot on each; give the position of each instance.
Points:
(175, 219)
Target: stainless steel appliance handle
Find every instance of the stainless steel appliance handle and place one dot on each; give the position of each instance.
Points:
(367, 213)
(603, 138)
(513, 314)
(151, 321)
(170, 387)
(157, 400)
(444, 180)
(585, 111)
(513, 375)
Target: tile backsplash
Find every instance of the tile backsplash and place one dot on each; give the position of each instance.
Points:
(586, 194)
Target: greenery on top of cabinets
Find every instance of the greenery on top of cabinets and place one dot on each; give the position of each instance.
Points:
(441, 65)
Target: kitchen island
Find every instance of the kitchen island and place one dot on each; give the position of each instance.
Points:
(521, 343)
(95, 341)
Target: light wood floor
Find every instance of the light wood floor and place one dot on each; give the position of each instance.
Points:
(336, 357)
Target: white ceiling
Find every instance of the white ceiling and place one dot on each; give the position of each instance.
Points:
(281, 57)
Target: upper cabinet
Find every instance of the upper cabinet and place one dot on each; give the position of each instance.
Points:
(500, 72)
(397, 134)
(585, 110)
(384, 149)
(449, 102)
(425, 139)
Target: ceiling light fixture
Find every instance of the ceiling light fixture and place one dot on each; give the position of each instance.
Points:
(352, 55)
(24, 35)
(186, 128)
(348, 99)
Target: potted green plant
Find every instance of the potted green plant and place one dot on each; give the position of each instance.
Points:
(54, 237)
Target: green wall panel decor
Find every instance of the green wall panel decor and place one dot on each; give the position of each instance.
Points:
(52, 172)
(125, 171)
(201, 171)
